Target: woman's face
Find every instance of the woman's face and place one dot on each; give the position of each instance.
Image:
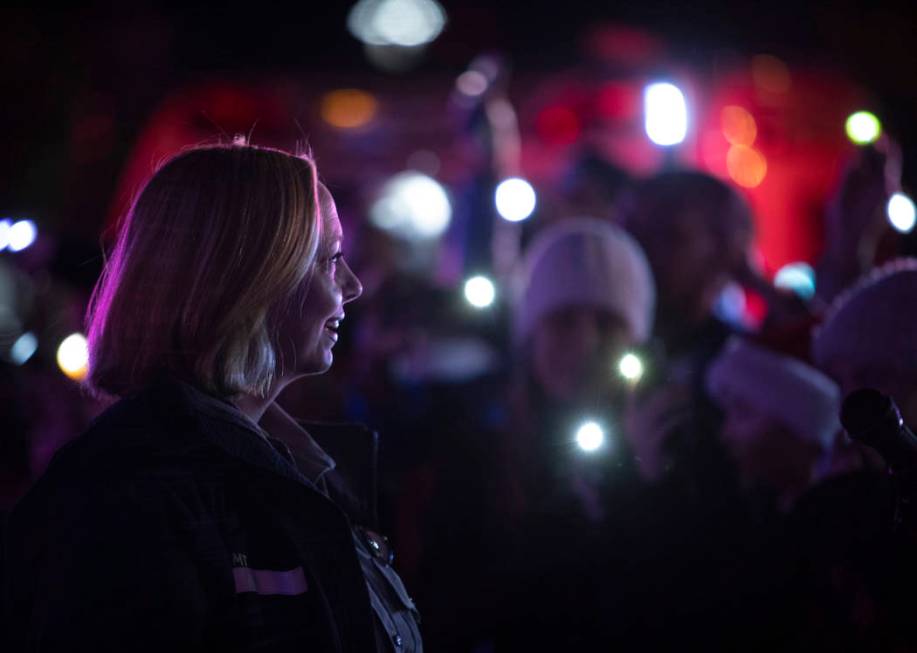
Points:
(309, 330)
(693, 263)
(573, 350)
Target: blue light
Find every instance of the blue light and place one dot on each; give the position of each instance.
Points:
(798, 277)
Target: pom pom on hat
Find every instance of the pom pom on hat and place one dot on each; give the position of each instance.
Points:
(785, 389)
(585, 262)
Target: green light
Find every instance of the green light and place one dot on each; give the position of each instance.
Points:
(863, 128)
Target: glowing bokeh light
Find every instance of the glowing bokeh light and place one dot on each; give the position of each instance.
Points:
(798, 277)
(901, 213)
(21, 234)
(5, 225)
(404, 23)
(471, 83)
(590, 436)
(348, 108)
(747, 167)
(630, 367)
(24, 347)
(731, 305)
(665, 114)
(770, 74)
(863, 127)
(412, 205)
(515, 199)
(739, 126)
(480, 291)
(73, 356)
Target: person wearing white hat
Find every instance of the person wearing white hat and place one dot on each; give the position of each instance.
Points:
(780, 416)
(586, 293)
(867, 340)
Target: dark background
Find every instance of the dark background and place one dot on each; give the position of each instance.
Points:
(97, 72)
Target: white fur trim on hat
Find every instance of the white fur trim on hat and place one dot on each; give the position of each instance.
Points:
(872, 323)
(784, 389)
(585, 262)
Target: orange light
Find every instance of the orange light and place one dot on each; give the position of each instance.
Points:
(770, 74)
(739, 126)
(746, 166)
(348, 108)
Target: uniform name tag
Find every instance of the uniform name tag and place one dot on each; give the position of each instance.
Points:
(269, 581)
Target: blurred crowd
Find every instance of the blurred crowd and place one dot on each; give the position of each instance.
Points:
(607, 457)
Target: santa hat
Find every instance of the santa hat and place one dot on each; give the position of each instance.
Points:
(585, 262)
(872, 323)
(785, 389)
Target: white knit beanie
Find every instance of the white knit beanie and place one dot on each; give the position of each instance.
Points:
(585, 262)
(872, 323)
(785, 389)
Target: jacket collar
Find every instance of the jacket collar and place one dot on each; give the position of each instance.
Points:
(220, 424)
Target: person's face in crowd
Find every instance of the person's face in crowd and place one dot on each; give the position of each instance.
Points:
(574, 349)
(696, 261)
(899, 384)
(764, 450)
(308, 330)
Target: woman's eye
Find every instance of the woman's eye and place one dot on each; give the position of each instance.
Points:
(331, 261)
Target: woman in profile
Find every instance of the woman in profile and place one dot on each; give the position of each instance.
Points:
(195, 514)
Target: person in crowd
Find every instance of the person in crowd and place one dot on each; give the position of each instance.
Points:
(860, 567)
(716, 569)
(864, 340)
(585, 298)
(195, 514)
(780, 418)
(696, 232)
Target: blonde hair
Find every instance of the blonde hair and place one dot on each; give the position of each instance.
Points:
(217, 240)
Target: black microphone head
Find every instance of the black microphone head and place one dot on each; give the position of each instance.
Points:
(873, 419)
(867, 412)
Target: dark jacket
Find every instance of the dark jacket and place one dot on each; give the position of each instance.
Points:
(169, 527)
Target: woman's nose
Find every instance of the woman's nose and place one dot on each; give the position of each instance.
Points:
(352, 286)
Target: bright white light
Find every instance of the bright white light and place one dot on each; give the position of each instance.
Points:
(515, 199)
(480, 292)
(798, 277)
(666, 113)
(901, 212)
(590, 436)
(631, 367)
(73, 356)
(23, 348)
(405, 23)
(21, 234)
(413, 206)
(5, 233)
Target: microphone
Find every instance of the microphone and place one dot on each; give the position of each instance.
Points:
(873, 419)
